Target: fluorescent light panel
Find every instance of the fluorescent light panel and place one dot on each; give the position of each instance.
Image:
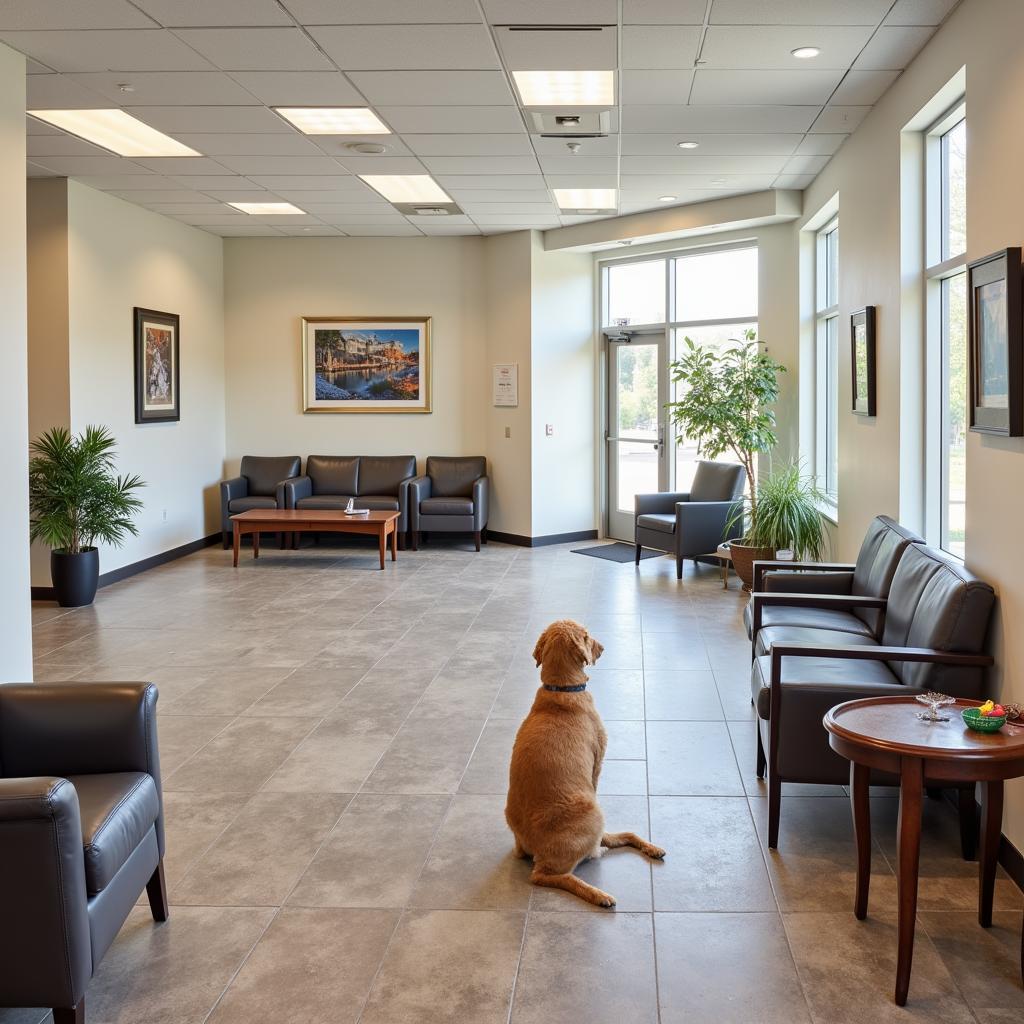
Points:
(407, 188)
(115, 130)
(585, 198)
(267, 209)
(566, 88)
(334, 120)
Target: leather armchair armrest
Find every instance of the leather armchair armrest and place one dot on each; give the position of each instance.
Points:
(280, 496)
(290, 491)
(658, 504)
(701, 526)
(419, 488)
(838, 602)
(236, 487)
(481, 489)
(776, 582)
(761, 567)
(44, 943)
(857, 652)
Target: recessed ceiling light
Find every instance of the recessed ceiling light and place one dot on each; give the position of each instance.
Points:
(667, 199)
(407, 188)
(265, 209)
(687, 145)
(566, 88)
(586, 200)
(805, 52)
(115, 130)
(719, 182)
(334, 120)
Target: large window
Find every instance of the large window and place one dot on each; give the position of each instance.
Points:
(826, 361)
(946, 297)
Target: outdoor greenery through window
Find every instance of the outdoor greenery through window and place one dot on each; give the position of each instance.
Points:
(826, 360)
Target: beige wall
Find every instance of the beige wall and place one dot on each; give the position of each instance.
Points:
(15, 609)
(984, 35)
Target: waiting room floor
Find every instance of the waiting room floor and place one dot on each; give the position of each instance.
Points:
(335, 744)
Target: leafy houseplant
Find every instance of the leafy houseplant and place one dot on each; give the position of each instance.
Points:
(788, 515)
(76, 499)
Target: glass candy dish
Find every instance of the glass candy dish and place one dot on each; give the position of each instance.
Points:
(934, 701)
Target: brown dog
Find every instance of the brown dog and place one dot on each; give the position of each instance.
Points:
(552, 805)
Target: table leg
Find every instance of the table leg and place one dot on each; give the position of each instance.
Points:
(724, 567)
(256, 544)
(382, 538)
(991, 827)
(908, 853)
(394, 542)
(859, 799)
(234, 544)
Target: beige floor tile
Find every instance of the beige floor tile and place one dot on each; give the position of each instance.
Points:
(674, 651)
(487, 771)
(626, 741)
(180, 736)
(226, 691)
(618, 693)
(303, 693)
(681, 696)
(691, 759)
(623, 778)
(192, 822)
(744, 745)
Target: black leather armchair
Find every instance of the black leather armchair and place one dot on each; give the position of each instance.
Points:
(260, 484)
(450, 498)
(81, 833)
(691, 523)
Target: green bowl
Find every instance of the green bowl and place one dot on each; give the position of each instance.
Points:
(989, 723)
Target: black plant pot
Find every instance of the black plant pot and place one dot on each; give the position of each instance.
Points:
(75, 577)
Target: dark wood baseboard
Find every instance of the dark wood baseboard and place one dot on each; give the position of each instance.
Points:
(116, 575)
(1012, 861)
(541, 542)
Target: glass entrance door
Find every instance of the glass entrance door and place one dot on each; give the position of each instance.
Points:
(637, 393)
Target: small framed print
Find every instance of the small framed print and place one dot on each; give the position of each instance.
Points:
(157, 368)
(995, 344)
(862, 360)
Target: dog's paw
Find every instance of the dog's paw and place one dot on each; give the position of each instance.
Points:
(606, 900)
(655, 852)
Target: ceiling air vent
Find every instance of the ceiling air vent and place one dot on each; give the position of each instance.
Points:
(431, 211)
(570, 124)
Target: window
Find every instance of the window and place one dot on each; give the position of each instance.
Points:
(826, 361)
(946, 340)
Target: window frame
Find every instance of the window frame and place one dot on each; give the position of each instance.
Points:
(826, 368)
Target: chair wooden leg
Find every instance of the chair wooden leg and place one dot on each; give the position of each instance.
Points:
(476, 538)
(156, 890)
(639, 548)
(761, 762)
(74, 1015)
(968, 822)
(679, 567)
(774, 808)
(414, 538)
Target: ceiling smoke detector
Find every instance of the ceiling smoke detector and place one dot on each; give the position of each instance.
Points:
(573, 147)
(367, 148)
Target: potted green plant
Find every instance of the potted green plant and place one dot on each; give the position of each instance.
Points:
(725, 405)
(76, 499)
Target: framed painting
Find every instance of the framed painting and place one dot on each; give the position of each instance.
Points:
(995, 344)
(157, 366)
(366, 364)
(862, 360)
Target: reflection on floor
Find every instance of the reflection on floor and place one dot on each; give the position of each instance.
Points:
(335, 744)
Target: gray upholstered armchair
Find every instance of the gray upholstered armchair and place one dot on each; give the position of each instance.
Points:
(259, 484)
(450, 498)
(81, 833)
(695, 522)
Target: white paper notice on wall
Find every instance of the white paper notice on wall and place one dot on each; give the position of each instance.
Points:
(506, 384)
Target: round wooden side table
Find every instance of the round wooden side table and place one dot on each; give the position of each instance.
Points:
(884, 733)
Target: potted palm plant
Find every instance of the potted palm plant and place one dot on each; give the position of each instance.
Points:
(75, 500)
(725, 405)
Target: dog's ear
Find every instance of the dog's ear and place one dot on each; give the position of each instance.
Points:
(538, 651)
(585, 644)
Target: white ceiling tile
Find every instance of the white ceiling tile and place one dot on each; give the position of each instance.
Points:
(502, 220)
(33, 67)
(310, 230)
(34, 127)
(71, 14)
(140, 178)
(253, 194)
(398, 47)
(659, 46)
(279, 219)
(248, 165)
(156, 196)
(306, 182)
(656, 86)
(244, 230)
(565, 163)
(672, 183)
(341, 145)
(666, 118)
(919, 12)
(430, 227)
(569, 50)
(485, 211)
(797, 181)
(774, 87)
(256, 49)
(703, 163)
(61, 145)
(466, 196)
(489, 181)
(370, 230)
(346, 219)
(470, 145)
(73, 166)
(450, 220)
(335, 211)
(108, 50)
(798, 12)
(781, 144)
(838, 120)
(424, 120)
(210, 119)
(893, 48)
(864, 88)
(60, 92)
(299, 88)
(351, 192)
(581, 180)
(255, 144)
(663, 12)
(504, 165)
(173, 209)
(551, 12)
(175, 165)
(427, 88)
(164, 88)
(175, 13)
(381, 12)
(769, 46)
(356, 164)
(806, 163)
(35, 171)
(203, 182)
(607, 146)
(825, 144)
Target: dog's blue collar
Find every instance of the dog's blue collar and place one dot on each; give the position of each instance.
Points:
(565, 689)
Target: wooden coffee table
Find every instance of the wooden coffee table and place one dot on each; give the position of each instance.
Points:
(297, 520)
(884, 733)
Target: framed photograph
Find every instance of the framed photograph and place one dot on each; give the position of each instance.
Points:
(995, 344)
(366, 364)
(862, 360)
(157, 366)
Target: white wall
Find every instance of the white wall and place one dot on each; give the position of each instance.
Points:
(984, 35)
(15, 609)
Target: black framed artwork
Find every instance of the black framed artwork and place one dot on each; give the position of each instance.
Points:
(995, 344)
(862, 360)
(157, 366)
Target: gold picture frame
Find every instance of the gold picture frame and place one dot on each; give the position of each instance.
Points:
(366, 364)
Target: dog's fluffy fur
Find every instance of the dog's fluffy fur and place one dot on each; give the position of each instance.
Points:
(552, 805)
